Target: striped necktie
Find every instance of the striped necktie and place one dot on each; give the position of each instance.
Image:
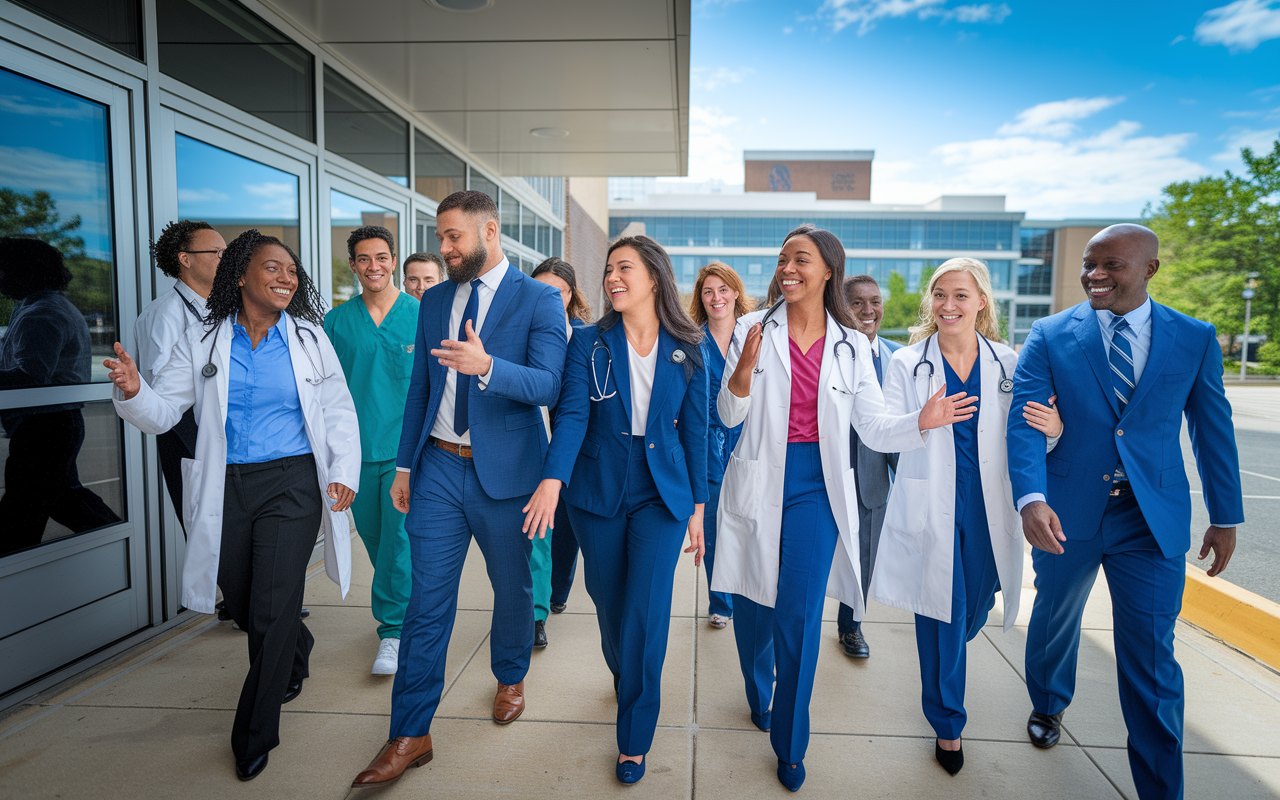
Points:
(1121, 358)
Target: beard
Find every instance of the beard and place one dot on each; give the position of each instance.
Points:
(469, 266)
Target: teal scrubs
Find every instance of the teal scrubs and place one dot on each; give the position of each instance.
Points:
(378, 360)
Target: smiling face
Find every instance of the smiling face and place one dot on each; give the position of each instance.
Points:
(1116, 268)
(956, 303)
(801, 272)
(626, 281)
(718, 300)
(420, 276)
(465, 241)
(566, 294)
(867, 307)
(269, 281)
(374, 264)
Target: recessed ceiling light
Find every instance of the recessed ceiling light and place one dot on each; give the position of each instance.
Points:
(549, 133)
(461, 6)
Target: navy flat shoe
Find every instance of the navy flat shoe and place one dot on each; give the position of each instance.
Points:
(630, 772)
(791, 777)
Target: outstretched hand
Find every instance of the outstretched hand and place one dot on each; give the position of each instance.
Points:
(940, 410)
(124, 373)
(740, 381)
(468, 358)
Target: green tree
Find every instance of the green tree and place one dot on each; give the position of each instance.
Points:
(1214, 231)
(902, 308)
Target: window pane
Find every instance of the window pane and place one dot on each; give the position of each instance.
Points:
(509, 213)
(62, 473)
(346, 213)
(222, 49)
(55, 185)
(425, 234)
(543, 244)
(439, 172)
(482, 184)
(233, 193)
(112, 22)
(360, 128)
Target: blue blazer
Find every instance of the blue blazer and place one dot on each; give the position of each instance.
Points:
(524, 333)
(1065, 354)
(591, 445)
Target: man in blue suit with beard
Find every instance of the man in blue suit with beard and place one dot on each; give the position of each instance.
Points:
(489, 352)
(1114, 493)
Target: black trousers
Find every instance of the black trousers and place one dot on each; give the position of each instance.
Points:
(270, 518)
(42, 481)
(172, 446)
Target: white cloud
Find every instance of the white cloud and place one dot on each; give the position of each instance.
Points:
(713, 79)
(1056, 118)
(1240, 26)
(1260, 141)
(713, 153)
(272, 190)
(201, 196)
(840, 14)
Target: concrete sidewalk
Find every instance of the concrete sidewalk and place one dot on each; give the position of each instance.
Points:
(156, 722)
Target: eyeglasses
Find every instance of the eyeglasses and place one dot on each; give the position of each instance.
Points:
(218, 252)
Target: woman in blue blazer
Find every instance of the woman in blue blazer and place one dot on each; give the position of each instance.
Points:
(629, 447)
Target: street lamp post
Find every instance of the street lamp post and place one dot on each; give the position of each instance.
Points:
(1247, 294)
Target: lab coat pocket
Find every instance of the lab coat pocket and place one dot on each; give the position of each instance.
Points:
(740, 491)
(192, 469)
(908, 509)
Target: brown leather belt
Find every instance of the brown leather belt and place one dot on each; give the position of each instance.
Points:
(463, 450)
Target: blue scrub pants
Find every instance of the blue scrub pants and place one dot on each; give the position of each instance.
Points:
(564, 556)
(789, 634)
(1146, 598)
(447, 507)
(381, 528)
(974, 583)
(721, 602)
(630, 564)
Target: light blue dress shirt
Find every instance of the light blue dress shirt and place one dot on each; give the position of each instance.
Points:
(264, 415)
(1139, 335)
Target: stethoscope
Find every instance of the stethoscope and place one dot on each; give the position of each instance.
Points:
(844, 340)
(677, 357)
(190, 306)
(1005, 384)
(210, 369)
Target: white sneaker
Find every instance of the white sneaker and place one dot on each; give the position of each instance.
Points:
(388, 657)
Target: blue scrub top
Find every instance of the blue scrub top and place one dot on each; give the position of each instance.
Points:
(720, 440)
(966, 433)
(264, 415)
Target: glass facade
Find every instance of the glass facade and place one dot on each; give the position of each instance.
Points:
(1025, 316)
(888, 234)
(346, 213)
(115, 23)
(437, 172)
(360, 128)
(509, 214)
(227, 51)
(480, 183)
(1037, 245)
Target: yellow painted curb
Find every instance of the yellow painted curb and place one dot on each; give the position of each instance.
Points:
(1235, 615)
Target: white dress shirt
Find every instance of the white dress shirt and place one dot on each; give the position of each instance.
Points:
(641, 369)
(489, 283)
(161, 323)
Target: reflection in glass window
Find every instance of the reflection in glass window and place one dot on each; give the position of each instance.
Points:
(233, 193)
(509, 213)
(360, 128)
(225, 50)
(62, 472)
(424, 228)
(346, 213)
(482, 184)
(55, 185)
(113, 22)
(439, 173)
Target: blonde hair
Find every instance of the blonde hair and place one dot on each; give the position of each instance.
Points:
(987, 324)
(745, 304)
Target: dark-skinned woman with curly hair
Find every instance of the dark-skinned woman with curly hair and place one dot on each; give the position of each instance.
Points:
(277, 429)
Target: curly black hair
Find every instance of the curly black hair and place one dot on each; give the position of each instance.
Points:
(369, 232)
(175, 239)
(225, 298)
(29, 265)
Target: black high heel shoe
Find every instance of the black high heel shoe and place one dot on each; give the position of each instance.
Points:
(951, 760)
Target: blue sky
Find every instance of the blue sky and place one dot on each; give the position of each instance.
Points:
(1072, 110)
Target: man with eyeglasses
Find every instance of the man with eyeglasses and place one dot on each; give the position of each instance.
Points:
(188, 251)
(373, 335)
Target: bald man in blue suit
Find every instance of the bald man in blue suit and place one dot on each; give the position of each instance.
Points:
(1114, 493)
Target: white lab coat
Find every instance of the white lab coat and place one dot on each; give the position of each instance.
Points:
(749, 522)
(914, 562)
(329, 415)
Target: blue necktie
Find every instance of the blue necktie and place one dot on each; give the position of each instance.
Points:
(1122, 375)
(875, 359)
(460, 423)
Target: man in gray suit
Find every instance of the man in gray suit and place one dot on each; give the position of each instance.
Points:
(872, 468)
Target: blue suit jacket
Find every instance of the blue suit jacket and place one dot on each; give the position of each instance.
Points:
(524, 333)
(1065, 354)
(591, 445)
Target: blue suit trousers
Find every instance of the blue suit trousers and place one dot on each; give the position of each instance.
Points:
(1146, 598)
(447, 507)
(564, 555)
(630, 565)
(787, 636)
(721, 602)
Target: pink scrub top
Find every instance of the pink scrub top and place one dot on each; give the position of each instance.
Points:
(805, 369)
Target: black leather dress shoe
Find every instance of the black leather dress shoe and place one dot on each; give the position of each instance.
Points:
(249, 768)
(539, 634)
(558, 608)
(951, 760)
(304, 613)
(223, 613)
(291, 691)
(1044, 729)
(855, 646)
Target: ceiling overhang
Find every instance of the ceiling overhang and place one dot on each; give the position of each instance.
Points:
(614, 74)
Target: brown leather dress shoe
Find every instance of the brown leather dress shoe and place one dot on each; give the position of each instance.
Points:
(509, 704)
(393, 759)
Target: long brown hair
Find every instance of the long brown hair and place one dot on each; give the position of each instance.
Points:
(579, 308)
(745, 304)
(832, 254)
(667, 302)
